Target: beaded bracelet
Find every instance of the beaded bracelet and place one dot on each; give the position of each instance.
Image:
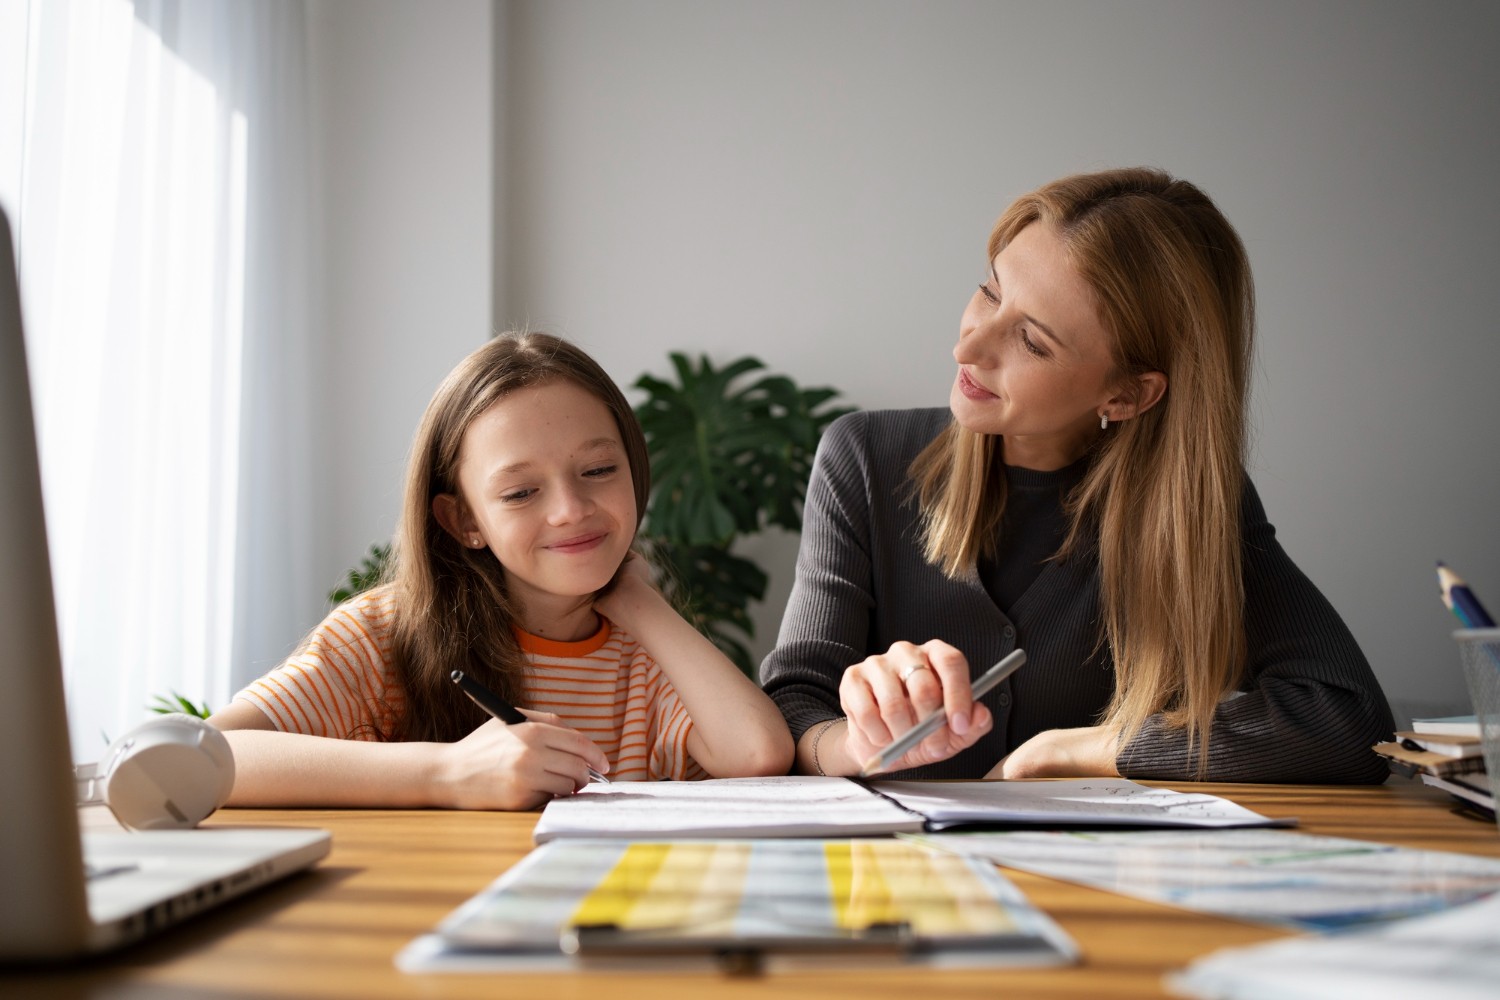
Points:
(817, 763)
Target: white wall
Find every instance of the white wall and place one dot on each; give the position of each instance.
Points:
(814, 183)
(403, 98)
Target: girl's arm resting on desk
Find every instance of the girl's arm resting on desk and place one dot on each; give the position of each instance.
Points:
(737, 730)
(494, 767)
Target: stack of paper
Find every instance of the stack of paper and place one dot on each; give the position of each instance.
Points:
(1446, 753)
(1417, 753)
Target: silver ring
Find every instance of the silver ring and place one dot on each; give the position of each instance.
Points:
(910, 669)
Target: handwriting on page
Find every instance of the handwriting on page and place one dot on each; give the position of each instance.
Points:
(1091, 798)
(1105, 801)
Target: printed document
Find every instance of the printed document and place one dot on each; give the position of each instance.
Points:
(1453, 955)
(1268, 876)
(818, 806)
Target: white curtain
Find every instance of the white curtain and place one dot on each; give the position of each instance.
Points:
(160, 197)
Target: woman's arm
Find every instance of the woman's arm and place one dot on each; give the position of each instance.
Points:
(1309, 709)
(1307, 712)
(737, 730)
(1085, 752)
(887, 694)
(825, 625)
(823, 668)
(495, 767)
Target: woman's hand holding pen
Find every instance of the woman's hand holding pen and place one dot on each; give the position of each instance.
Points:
(516, 767)
(888, 693)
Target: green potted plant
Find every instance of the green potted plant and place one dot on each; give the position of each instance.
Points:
(369, 572)
(729, 458)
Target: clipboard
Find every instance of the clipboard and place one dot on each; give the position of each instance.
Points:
(744, 907)
(735, 952)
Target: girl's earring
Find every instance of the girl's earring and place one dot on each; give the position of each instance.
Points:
(476, 541)
(1103, 421)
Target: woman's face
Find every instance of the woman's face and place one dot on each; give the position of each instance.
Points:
(1034, 361)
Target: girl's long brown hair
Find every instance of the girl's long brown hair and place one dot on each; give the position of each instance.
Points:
(453, 611)
(1172, 283)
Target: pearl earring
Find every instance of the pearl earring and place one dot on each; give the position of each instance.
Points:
(476, 541)
(1103, 421)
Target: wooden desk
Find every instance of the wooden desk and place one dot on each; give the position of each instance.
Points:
(393, 875)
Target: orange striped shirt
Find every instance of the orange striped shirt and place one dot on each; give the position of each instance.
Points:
(341, 684)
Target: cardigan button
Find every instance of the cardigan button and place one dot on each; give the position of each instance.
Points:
(1004, 699)
(1009, 632)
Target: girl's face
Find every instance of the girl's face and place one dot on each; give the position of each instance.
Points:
(546, 486)
(1034, 361)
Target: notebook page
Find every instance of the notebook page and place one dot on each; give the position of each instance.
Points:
(723, 807)
(1073, 801)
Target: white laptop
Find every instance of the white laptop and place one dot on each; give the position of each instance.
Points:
(62, 893)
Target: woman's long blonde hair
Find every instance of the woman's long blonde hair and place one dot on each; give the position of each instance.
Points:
(453, 609)
(1162, 495)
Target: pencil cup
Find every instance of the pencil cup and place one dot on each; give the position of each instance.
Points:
(1481, 655)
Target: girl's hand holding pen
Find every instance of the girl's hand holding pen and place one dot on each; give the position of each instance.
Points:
(888, 693)
(517, 767)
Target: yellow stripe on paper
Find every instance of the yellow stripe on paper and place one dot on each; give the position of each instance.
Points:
(885, 882)
(860, 894)
(668, 885)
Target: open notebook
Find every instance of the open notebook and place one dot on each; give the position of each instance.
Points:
(834, 807)
(65, 894)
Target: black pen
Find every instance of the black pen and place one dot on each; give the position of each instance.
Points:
(499, 708)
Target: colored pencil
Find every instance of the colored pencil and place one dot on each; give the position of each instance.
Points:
(1461, 600)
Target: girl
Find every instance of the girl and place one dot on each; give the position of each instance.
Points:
(527, 483)
(1083, 497)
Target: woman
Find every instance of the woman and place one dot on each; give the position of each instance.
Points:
(1083, 498)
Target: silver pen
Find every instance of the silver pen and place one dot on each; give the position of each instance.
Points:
(902, 745)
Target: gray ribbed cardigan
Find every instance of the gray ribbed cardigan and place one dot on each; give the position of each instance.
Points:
(1308, 711)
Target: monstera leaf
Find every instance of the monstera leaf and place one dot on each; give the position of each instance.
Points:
(729, 457)
(728, 460)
